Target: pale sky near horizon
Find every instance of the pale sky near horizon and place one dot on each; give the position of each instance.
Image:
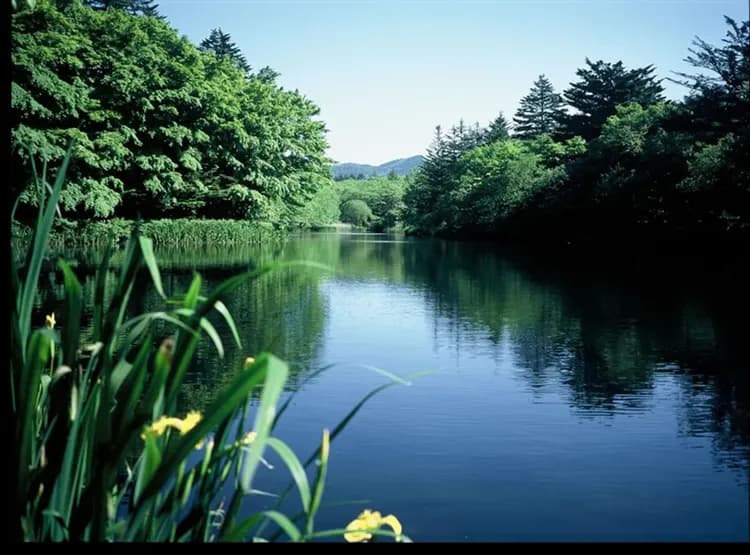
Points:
(386, 72)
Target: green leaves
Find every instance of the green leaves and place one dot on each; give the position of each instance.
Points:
(603, 86)
(103, 425)
(277, 372)
(25, 297)
(383, 198)
(162, 128)
(89, 417)
(356, 212)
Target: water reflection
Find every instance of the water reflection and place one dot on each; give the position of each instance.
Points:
(606, 334)
(606, 338)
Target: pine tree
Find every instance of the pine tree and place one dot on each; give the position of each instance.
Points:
(135, 7)
(498, 129)
(267, 75)
(540, 110)
(719, 98)
(729, 64)
(603, 87)
(221, 44)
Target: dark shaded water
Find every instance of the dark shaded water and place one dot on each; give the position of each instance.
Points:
(571, 400)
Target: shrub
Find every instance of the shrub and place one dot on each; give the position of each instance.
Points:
(356, 212)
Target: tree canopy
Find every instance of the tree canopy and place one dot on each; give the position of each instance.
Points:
(135, 7)
(719, 98)
(356, 212)
(161, 129)
(499, 129)
(601, 88)
(616, 162)
(220, 44)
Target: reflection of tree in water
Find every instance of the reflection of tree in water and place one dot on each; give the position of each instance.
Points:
(282, 312)
(604, 334)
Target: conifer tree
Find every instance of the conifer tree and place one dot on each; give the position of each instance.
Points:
(498, 129)
(602, 87)
(221, 44)
(540, 110)
(135, 7)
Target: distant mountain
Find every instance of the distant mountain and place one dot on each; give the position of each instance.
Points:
(402, 166)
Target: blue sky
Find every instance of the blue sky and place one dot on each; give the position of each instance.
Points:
(385, 72)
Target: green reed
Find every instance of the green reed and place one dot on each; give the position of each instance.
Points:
(100, 453)
(175, 232)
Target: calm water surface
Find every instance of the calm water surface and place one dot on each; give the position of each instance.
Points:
(569, 400)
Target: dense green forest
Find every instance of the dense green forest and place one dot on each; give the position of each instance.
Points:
(163, 128)
(376, 203)
(607, 158)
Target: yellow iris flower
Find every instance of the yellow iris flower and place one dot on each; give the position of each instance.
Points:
(183, 425)
(249, 438)
(50, 321)
(370, 520)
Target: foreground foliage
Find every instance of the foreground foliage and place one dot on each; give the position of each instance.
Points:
(100, 451)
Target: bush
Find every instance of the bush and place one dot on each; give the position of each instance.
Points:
(172, 232)
(356, 212)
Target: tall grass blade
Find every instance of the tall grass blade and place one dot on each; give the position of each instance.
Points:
(225, 404)
(276, 375)
(238, 532)
(38, 249)
(147, 248)
(295, 467)
(39, 351)
(71, 327)
(301, 385)
(319, 482)
(221, 308)
(285, 524)
(100, 283)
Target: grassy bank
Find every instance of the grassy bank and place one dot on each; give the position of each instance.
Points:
(177, 232)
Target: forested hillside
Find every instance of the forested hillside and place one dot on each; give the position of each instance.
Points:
(607, 158)
(399, 167)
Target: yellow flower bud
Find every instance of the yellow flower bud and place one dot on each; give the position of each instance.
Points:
(325, 445)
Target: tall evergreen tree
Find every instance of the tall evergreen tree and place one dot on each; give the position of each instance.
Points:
(464, 137)
(221, 44)
(431, 177)
(267, 74)
(135, 7)
(540, 110)
(498, 129)
(602, 87)
(719, 99)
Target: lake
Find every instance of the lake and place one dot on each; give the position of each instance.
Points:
(569, 398)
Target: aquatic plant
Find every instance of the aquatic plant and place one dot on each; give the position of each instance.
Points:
(100, 453)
